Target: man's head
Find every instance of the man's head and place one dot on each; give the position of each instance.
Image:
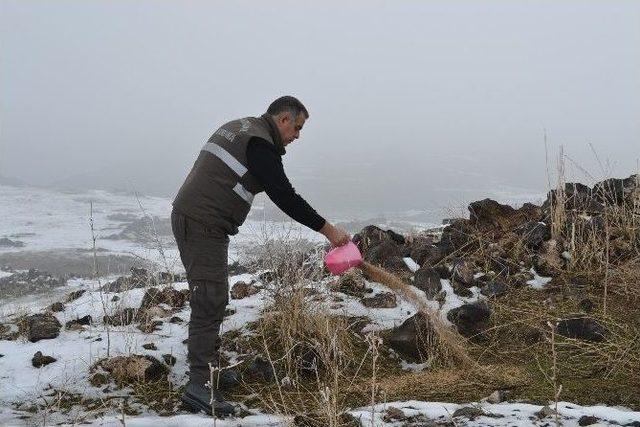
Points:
(289, 115)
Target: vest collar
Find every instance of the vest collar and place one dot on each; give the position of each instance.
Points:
(275, 134)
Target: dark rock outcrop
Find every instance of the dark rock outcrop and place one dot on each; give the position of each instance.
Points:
(582, 328)
(412, 338)
(381, 300)
(428, 281)
(39, 360)
(470, 319)
(42, 327)
(241, 290)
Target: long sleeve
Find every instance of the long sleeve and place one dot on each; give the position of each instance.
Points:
(265, 164)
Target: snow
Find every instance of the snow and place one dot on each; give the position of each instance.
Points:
(505, 414)
(47, 220)
(411, 264)
(538, 282)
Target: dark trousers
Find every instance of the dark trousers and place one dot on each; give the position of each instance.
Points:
(204, 253)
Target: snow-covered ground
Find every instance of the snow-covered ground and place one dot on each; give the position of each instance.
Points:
(45, 221)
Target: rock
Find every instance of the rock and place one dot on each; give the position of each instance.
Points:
(139, 278)
(8, 243)
(152, 312)
(470, 319)
(176, 319)
(545, 412)
(587, 420)
(490, 213)
(411, 339)
(149, 326)
(371, 236)
(462, 272)
(72, 296)
(149, 346)
(169, 359)
(134, 368)
(617, 191)
(229, 311)
(56, 307)
(457, 237)
(42, 327)
(470, 412)
(39, 360)
(388, 255)
(534, 233)
(582, 328)
(381, 300)
(167, 295)
(121, 317)
(28, 283)
(78, 323)
(419, 249)
(393, 414)
(549, 262)
(496, 397)
(235, 269)
(351, 283)
(241, 290)
(494, 289)
(428, 281)
(261, 369)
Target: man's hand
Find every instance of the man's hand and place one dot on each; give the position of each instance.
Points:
(337, 236)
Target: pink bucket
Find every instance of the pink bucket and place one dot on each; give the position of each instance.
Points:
(340, 259)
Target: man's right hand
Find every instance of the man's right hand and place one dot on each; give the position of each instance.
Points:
(336, 236)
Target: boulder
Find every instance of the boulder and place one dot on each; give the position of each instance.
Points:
(494, 289)
(462, 272)
(457, 237)
(351, 283)
(261, 369)
(241, 290)
(121, 317)
(471, 319)
(167, 295)
(587, 420)
(39, 360)
(169, 359)
(56, 307)
(533, 233)
(548, 261)
(78, 323)
(380, 247)
(72, 296)
(490, 214)
(8, 243)
(412, 338)
(618, 191)
(134, 368)
(42, 327)
(428, 281)
(149, 346)
(582, 328)
(381, 300)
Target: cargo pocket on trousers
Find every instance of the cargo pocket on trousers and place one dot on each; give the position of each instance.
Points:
(209, 299)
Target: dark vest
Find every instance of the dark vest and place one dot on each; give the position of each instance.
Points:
(219, 190)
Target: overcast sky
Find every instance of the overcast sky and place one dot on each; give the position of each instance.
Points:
(413, 103)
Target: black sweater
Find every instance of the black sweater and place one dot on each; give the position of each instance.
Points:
(265, 164)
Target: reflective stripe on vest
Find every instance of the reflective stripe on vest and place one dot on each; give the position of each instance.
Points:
(227, 158)
(234, 165)
(244, 193)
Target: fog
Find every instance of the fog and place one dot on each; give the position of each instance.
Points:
(414, 105)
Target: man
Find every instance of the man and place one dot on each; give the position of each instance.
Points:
(241, 159)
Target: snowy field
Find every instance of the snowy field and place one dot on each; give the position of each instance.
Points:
(47, 221)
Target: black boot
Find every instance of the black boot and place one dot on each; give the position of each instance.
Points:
(198, 398)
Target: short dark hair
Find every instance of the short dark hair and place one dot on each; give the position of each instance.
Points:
(287, 104)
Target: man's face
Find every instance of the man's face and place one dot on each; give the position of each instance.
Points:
(289, 127)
